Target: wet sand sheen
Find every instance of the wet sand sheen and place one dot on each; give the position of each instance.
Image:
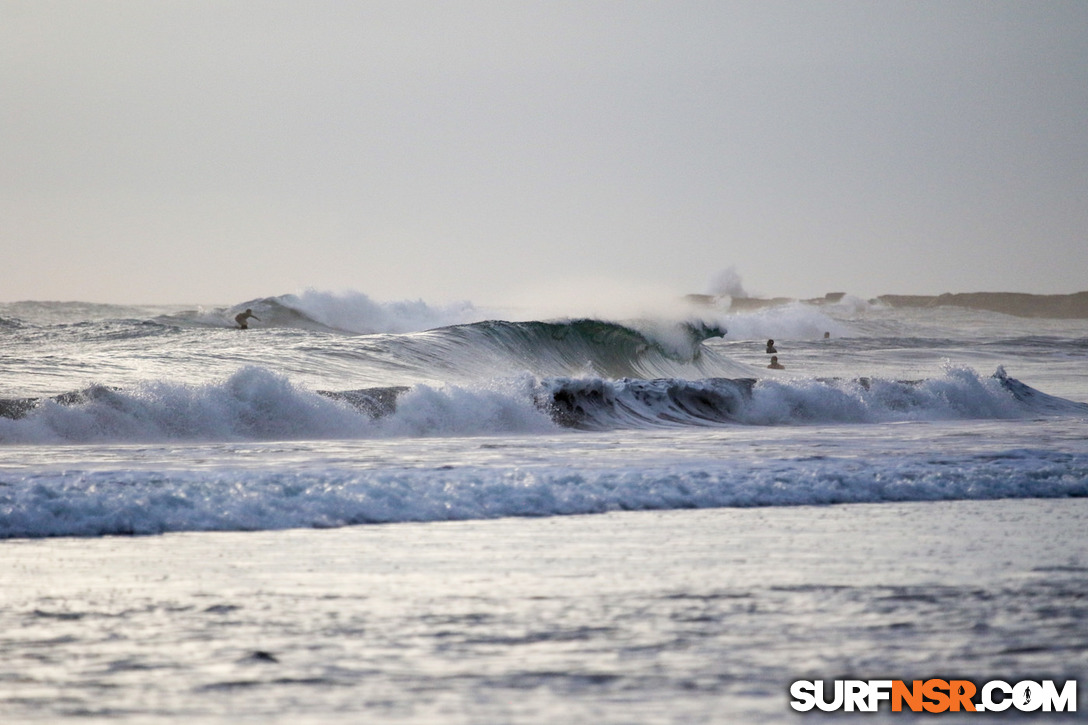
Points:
(675, 616)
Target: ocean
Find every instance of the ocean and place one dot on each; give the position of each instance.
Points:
(442, 513)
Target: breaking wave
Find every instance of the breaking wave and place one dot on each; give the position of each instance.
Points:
(97, 503)
(589, 347)
(256, 404)
(348, 312)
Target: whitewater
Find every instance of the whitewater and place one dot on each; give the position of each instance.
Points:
(444, 513)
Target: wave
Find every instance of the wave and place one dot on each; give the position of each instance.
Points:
(355, 312)
(491, 349)
(110, 502)
(455, 337)
(959, 394)
(256, 404)
(348, 312)
(593, 347)
(55, 313)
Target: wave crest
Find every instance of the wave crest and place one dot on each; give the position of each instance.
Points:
(958, 394)
(347, 312)
(255, 404)
(597, 347)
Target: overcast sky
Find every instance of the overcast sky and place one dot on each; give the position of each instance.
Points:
(214, 152)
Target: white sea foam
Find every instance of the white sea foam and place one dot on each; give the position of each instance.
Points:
(960, 393)
(257, 404)
(91, 502)
(251, 404)
(499, 407)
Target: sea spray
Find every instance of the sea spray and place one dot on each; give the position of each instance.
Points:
(357, 312)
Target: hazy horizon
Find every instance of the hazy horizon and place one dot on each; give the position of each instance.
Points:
(658, 300)
(212, 153)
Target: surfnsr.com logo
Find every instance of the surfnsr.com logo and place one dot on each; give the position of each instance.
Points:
(933, 696)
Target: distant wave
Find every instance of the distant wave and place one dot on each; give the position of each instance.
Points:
(51, 313)
(601, 344)
(350, 312)
(255, 404)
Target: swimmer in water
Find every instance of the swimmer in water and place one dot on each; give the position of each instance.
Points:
(775, 364)
(770, 346)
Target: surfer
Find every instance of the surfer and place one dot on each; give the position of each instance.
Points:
(770, 346)
(775, 364)
(241, 318)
